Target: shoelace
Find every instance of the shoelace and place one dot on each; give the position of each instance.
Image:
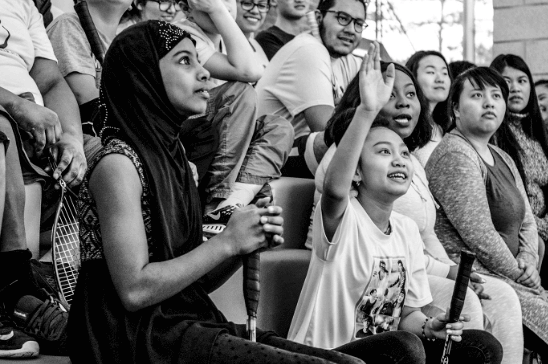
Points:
(48, 321)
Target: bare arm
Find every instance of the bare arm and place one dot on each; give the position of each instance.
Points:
(117, 190)
(69, 150)
(374, 93)
(317, 116)
(82, 86)
(240, 62)
(412, 320)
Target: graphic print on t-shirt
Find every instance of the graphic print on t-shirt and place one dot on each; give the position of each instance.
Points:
(4, 36)
(379, 308)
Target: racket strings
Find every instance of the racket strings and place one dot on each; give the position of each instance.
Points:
(66, 246)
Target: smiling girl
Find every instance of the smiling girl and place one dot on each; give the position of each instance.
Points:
(364, 252)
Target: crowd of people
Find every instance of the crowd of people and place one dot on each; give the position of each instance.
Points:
(171, 120)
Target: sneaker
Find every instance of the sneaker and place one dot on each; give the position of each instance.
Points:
(46, 321)
(44, 276)
(215, 222)
(13, 342)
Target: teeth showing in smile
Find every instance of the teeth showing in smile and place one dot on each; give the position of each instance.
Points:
(252, 20)
(398, 175)
(403, 120)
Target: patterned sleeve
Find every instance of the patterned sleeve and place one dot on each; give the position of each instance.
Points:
(457, 183)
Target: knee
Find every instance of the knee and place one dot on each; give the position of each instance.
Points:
(485, 343)
(410, 345)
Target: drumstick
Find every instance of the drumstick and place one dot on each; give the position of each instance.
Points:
(252, 286)
(459, 294)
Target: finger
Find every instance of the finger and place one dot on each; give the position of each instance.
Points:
(370, 57)
(262, 202)
(377, 56)
(476, 278)
(58, 132)
(39, 140)
(456, 338)
(50, 136)
(80, 175)
(62, 164)
(390, 75)
(272, 220)
(270, 211)
(273, 229)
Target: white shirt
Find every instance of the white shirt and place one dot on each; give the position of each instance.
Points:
(345, 285)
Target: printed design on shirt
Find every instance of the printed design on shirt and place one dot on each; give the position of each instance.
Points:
(5, 38)
(379, 308)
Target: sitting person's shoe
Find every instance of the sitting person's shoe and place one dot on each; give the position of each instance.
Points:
(215, 222)
(44, 276)
(13, 342)
(46, 321)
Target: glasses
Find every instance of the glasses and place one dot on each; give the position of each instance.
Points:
(344, 19)
(165, 5)
(249, 5)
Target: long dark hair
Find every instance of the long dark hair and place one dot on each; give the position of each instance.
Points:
(345, 110)
(532, 125)
(439, 114)
(133, 13)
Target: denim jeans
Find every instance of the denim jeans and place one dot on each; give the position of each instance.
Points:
(249, 150)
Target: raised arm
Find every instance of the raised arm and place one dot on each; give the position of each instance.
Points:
(116, 188)
(240, 62)
(374, 93)
(456, 182)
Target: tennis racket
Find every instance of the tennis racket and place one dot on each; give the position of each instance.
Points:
(66, 244)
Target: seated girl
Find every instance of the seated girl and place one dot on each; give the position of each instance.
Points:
(406, 114)
(364, 255)
(484, 206)
(142, 293)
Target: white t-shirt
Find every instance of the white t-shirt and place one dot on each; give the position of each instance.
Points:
(301, 75)
(22, 39)
(359, 281)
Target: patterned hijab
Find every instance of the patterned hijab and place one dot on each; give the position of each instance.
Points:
(135, 108)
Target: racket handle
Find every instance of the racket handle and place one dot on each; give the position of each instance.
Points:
(86, 21)
(252, 286)
(461, 284)
(313, 24)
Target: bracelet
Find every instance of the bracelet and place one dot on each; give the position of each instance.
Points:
(424, 333)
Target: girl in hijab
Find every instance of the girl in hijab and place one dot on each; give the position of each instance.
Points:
(142, 293)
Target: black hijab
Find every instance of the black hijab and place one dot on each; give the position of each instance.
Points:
(135, 108)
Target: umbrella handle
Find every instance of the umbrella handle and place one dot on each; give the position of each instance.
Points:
(81, 8)
(252, 287)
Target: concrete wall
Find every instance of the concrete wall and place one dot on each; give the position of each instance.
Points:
(521, 27)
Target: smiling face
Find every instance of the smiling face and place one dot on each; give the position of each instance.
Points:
(520, 88)
(341, 40)
(403, 108)
(479, 113)
(433, 78)
(385, 165)
(151, 11)
(185, 80)
(250, 21)
(542, 97)
(292, 9)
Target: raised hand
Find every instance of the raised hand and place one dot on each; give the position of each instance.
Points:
(207, 6)
(374, 90)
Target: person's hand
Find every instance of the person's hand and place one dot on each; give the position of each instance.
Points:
(439, 327)
(68, 153)
(194, 172)
(476, 283)
(254, 227)
(374, 90)
(530, 277)
(39, 121)
(207, 6)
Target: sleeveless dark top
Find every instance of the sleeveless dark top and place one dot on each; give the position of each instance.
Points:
(505, 202)
(182, 329)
